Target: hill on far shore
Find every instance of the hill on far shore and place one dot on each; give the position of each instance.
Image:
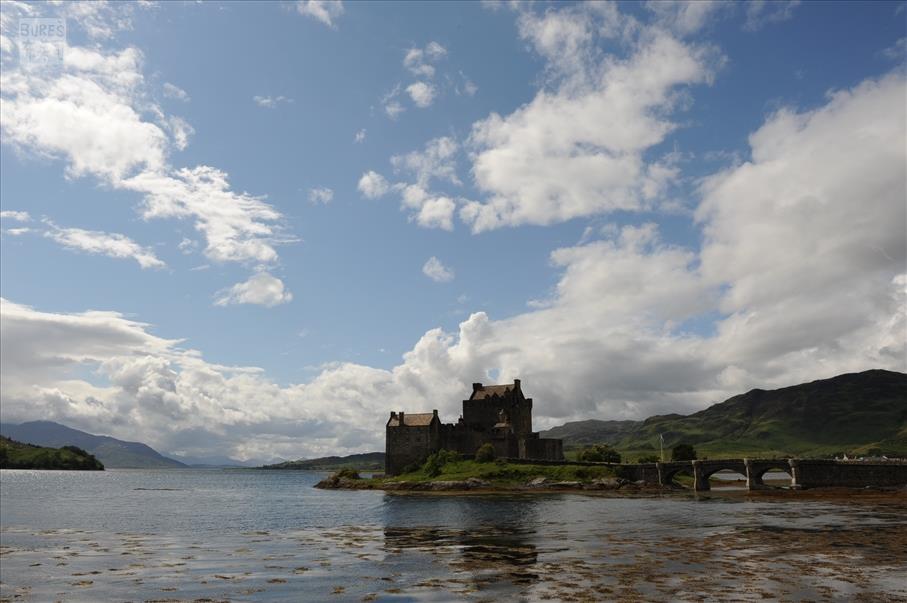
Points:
(112, 452)
(368, 461)
(17, 455)
(854, 413)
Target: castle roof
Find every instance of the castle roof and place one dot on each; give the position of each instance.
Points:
(488, 391)
(418, 419)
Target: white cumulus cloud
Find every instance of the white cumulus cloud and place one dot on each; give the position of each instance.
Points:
(262, 289)
(580, 148)
(95, 116)
(373, 185)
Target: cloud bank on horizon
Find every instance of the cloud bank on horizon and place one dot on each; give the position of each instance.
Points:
(685, 264)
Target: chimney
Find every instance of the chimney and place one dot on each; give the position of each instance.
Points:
(476, 387)
(435, 413)
(516, 384)
(401, 418)
(393, 415)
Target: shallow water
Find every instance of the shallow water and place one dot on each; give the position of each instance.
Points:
(267, 535)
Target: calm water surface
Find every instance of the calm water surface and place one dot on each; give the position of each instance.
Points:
(239, 535)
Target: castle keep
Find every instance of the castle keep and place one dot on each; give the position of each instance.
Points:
(497, 414)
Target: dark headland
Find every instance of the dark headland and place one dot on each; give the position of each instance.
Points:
(17, 455)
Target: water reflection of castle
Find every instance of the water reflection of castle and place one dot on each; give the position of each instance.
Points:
(497, 414)
(489, 555)
(484, 543)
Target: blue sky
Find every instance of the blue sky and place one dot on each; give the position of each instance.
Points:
(604, 194)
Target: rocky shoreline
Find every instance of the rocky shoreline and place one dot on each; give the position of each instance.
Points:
(614, 486)
(337, 482)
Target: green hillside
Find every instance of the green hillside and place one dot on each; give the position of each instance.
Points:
(591, 431)
(16, 455)
(856, 413)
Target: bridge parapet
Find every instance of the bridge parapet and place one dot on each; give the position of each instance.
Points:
(804, 473)
(807, 473)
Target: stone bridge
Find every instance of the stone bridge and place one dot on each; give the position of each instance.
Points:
(804, 473)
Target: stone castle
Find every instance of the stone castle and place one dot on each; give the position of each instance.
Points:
(496, 414)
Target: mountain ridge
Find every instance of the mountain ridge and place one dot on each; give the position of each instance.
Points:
(364, 461)
(113, 453)
(863, 413)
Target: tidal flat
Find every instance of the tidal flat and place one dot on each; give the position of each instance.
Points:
(247, 536)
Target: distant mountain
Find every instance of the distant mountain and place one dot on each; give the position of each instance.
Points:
(369, 461)
(112, 452)
(17, 455)
(857, 413)
(218, 461)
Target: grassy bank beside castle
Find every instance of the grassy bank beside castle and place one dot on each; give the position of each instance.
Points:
(502, 473)
(447, 467)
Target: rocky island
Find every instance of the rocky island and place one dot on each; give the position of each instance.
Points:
(456, 475)
(447, 472)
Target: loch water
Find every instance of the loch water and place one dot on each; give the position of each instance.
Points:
(249, 535)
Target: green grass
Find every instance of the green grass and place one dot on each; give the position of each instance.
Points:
(16, 455)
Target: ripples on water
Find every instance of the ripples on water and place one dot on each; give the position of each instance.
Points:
(268, 535)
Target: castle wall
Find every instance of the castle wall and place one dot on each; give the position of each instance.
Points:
(460, 438)
(485, 413)
(405, 445)
(506, 446)
(549, 449)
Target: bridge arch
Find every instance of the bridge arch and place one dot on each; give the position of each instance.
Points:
(734, 466)
(670, 471)
(736, 474)
(704, 469)
(758, 468)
